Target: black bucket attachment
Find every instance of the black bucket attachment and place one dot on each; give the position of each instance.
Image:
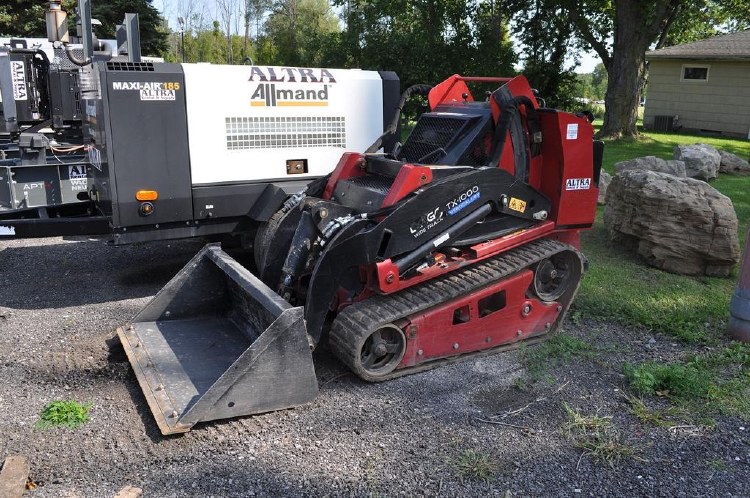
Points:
(215, 343)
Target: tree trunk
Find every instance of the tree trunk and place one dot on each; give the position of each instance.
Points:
(626, 70)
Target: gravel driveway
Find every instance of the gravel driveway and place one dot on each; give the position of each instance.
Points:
(60, 301)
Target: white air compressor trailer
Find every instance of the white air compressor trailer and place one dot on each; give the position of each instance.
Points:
(184, 150)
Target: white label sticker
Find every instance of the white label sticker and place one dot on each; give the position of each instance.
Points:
(441, 239)
(7, 230)
(572, 131)
(18, 75)
(578, 184)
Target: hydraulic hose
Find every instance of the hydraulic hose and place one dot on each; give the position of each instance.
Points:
(412, 90)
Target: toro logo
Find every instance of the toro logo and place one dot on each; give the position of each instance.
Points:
(281, 86)
(577, 183)
(462, 200)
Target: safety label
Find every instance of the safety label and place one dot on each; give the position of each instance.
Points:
(7, 230)
(517, 205)
(572, 131)
(77, 175)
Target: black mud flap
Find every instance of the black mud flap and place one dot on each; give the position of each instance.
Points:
(216, 343)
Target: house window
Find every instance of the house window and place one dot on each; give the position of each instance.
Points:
(694, 73)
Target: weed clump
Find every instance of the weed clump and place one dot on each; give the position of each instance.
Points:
(68, 413)
(475, 465)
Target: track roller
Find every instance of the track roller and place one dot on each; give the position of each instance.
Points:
(371, 353)
(555, 275)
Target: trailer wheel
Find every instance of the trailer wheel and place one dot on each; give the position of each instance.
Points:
(555, 275)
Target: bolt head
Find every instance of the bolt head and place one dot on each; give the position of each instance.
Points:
(390, 278)
(455, 346)
(420, 352)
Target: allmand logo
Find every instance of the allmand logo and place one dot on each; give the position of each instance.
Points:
(290, 86)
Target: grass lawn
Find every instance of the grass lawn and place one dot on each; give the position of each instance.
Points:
(621, 287)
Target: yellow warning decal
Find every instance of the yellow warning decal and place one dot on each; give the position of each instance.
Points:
(517, 205)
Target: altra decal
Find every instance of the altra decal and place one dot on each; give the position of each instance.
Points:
(578, 184)
(18, 75)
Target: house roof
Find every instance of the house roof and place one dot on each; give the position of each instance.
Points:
(734, 46)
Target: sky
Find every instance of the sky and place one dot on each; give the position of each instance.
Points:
(588, 62)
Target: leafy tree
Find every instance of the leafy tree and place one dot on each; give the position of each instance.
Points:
(26, 18)
(546, 31)
(635, 26)
(297, 27)
(426, 41)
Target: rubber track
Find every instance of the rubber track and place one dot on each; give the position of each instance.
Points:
(360, 319)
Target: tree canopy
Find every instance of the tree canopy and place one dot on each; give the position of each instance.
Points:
(425, 41)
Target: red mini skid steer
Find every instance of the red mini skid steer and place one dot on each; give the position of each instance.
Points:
(463, 240)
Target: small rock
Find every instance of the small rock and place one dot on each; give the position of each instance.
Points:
(733, 164)
(701, 160)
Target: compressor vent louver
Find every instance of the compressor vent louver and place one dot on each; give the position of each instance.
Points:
(130, 66)
(285, 132)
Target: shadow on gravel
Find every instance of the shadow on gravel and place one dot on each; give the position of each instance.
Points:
(88, 272)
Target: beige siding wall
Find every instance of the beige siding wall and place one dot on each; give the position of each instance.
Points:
(720, 104)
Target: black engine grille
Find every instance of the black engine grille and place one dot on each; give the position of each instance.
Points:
(431, 134)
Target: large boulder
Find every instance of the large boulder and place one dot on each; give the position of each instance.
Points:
(730, 163)
(680, 225)
(604, 181)
(652, 163)
(701, 160)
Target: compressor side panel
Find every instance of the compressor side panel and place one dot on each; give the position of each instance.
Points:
(273, 124)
